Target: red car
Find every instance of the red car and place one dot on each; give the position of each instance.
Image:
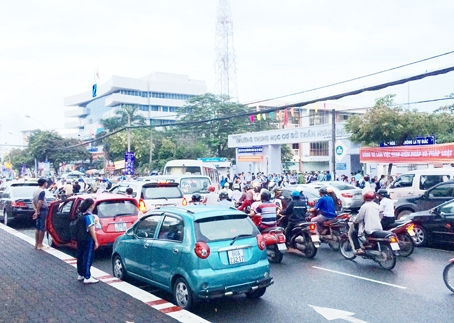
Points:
(116, 214)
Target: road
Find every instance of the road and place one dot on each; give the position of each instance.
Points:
(331, 288)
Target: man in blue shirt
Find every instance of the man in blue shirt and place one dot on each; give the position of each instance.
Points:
(325, 206)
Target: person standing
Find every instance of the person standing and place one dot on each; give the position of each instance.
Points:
(386, 208)
(86, 247)
(40, 206)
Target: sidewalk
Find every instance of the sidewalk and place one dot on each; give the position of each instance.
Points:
(41, 286)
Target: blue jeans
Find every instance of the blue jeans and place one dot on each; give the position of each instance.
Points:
(40, 222)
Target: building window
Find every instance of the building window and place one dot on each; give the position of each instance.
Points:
(295, 146)
(319, 148)
(321, 117)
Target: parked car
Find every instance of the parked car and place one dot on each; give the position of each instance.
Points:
(434, 196)
(21, 182)
(16, 202)
(350, 196)
(199, 252)
(116, 214)
(435, 225)
(152, 194)
(311, 194)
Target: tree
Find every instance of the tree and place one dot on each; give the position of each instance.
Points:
(19, 157)
(129, 115)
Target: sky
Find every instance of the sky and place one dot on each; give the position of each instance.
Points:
(49, 50)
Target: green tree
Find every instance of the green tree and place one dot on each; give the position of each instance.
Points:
(19, 157)
(130, 114)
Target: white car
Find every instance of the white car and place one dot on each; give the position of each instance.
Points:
(351, 196)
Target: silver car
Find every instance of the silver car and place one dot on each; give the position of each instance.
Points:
(351, 196)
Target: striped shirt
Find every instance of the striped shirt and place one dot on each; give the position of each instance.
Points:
(268, 212)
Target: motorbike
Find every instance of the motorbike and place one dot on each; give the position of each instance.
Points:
(405, 235)
(448, 275)
(274, 240)
(305, 238)
(381, 247)
(332, 230)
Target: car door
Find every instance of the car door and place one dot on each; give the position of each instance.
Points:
(442, 228)
(167, 249)
(436, 196)
(60, 215)
(138, 251)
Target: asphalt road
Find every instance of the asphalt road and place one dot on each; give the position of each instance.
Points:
(331, 288)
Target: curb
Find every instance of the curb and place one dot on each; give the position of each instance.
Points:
(151, 300)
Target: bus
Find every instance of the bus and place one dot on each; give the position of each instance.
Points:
(181, 167)
(224, 168)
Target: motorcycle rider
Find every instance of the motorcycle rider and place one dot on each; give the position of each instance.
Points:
(212, 197)
(386, 208)
(248, 199)
(196, 199)
(368, 221)
(325, 206)
(295, 213)
(267, 209)
(224, 199)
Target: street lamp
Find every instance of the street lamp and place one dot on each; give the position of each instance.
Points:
(27, 116)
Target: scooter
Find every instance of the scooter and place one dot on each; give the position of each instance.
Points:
(448, 275)
(305, 238)
(406, 236)
(274, 240)
(380, 246)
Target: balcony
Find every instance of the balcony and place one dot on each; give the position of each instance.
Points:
(76, 113)
(78, 124)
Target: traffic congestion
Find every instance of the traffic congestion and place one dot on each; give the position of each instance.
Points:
(221, 237)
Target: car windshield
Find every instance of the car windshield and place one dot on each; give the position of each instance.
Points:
(114, 208)
(26, 192)
(194, 185)
(224, 227)
(161, 192)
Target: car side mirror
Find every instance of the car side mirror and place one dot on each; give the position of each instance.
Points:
(130, 232)
(435, 210)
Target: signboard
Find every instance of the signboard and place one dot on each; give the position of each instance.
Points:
(429, 140)
(213, 159)
(287, 136)
(439, 153)
(93, 149)
(257, 149)
(129, 163)
(340, 150)
(341, 166)
(250, 158)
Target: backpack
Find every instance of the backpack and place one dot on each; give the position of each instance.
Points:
(77, 229)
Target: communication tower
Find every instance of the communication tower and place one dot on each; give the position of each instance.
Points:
(225, 67)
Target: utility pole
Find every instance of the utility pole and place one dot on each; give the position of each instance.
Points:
(225, 67)
(333, 143)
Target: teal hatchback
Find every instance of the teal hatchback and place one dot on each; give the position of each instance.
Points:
(197, 252)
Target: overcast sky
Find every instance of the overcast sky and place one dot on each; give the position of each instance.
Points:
(50, 48)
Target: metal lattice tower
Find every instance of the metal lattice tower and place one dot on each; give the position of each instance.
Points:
(225, 67)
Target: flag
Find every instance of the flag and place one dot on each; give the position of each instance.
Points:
(264, 116)
(271, 115)
(258, 117)
(251, 118)
(292, 112)
(285, 117)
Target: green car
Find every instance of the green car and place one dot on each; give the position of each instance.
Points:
(197, 252)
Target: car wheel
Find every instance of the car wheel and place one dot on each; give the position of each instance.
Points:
(118, 269)
(404, 212)
(50, 241)
(183, 294)
(421, 236)
(259, 292)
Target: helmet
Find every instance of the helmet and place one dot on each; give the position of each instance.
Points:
(369, 196)
(211, 188)
(226, 184)
(223, 195)
(196, 197)
(296, 193)
(265, 195)
(323, 190)
(329, 189)
(383, 192)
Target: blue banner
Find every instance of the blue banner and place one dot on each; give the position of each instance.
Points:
(129, 163)
(257, 149)
(419, 141)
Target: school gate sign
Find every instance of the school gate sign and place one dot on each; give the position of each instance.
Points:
(273, 139)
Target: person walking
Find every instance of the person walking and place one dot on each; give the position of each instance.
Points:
(87, 246)
(41, 208)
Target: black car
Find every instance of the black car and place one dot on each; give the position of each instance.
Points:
(434, 196)
(435, 225)
(16, 203)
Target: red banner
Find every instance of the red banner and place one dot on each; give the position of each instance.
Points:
(442, 153)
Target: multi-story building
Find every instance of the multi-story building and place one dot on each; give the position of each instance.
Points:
(157, 96)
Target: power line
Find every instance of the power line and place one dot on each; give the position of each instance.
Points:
(354, 79)
(294, 105)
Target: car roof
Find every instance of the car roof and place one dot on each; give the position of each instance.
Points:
(197, 212)
(103, 197)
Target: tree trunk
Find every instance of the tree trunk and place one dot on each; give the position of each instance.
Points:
(390, 166)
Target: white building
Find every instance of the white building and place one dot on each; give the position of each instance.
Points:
(157, 96)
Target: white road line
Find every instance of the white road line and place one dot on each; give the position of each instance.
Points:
(359, 277)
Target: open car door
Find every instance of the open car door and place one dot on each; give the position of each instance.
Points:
(58, 219)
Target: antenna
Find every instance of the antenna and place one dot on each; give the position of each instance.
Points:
(225, 67)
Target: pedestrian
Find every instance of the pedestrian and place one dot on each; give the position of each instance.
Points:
(86, 247)
(40, 206)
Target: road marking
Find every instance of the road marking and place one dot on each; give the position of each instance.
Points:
(333, 314)
(359, 277)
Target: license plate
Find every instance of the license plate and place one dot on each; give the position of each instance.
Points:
(411, 233)
(395, 246)
(120, 227)
(315, 238)
(281, 246)
(235, 256)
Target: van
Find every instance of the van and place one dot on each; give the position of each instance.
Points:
(415, 183)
